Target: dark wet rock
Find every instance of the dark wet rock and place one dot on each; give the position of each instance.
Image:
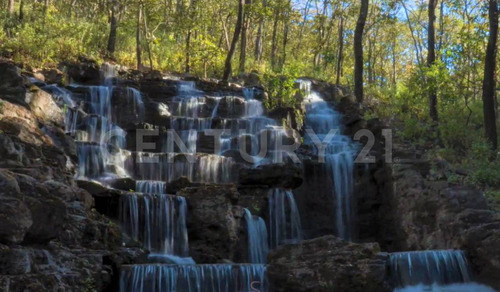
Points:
(15, 220)
(213, 223)
(327, 264)
(272, 175)
(433, 215)
(85, 71)
(14, 262)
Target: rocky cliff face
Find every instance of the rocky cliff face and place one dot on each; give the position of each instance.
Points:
(328, 264)
(436, 215)
(58, 233)
(51, 238)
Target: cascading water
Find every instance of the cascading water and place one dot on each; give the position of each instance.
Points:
(158, 220)
(193, 278)
(433, 270)
(150, 187)
(338, 155)
(428, 267)
(284, 218)
(257, 238)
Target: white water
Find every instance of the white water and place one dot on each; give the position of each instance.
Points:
(193, 278)
(257, 238)
(339, 156)
(159, 221)
(284, 218)
(466, 287)
(428, 268)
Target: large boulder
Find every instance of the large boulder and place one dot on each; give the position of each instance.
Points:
(327, 264)
(85, 71)
(12, 87)
(436, 215)
(214, 224)
(272, 175)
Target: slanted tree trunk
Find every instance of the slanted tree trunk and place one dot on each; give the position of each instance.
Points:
(340, 54)
(431, 59)
(358, 51)
(112, 29)
(138, 49)
(237, 30)
(489, 94)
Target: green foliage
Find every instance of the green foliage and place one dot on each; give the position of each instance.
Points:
(282, 89)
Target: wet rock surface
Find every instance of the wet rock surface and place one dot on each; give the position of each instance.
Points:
(327, 264)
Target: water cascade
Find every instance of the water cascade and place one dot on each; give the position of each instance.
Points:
(338, 155)
(193, 278)
(428, 267)
(257, 238)
(159, 221)
(284, 218)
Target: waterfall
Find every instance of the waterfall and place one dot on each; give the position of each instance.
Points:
(158, 220)
(338, 155)
(428, 267)
(193, 278)
(90, 161)
(257, 238)
(150, 187)
(284, 218)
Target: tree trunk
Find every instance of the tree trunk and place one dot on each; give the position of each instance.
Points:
(260, 36)
(21, 10)
(237, 30)
(192, 12)
(138, 37)
(358, 51)
(431, 59)
(274, 45)
(11, 7)
(340, 54)
(285, 38)
(489, 94)
(112, 29)
(243, 45)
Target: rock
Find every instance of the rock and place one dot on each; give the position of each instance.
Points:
(12, 86)
(432, 215)
(43, 107)
(290, 117)
(213, 223)
(48, 211)
(178, 184)
(251, 79)
(272, 175)
(85, 71)
(52, 76)
(327, 264)
(15, 220)
(15, 262)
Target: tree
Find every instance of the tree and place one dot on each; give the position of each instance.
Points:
(138, 49)
(243, 45)
(340, 54)
(431, 59)
(237, 30)
(358, 51)
(112, 29)
(11, 7)
(489, 95)
(260, 35)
